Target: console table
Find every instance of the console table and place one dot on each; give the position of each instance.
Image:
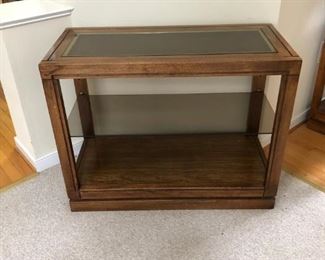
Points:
(224, 169)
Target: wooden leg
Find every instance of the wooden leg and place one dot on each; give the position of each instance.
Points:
(84, 107)
(255, 106)
(280, 132)
(58, 117)
(316, 120)
(319, 86)
(316, 125)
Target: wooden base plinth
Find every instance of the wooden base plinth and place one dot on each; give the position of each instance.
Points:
(172, 204)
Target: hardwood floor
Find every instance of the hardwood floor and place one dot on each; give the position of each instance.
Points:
(13, 167)
(305, 156)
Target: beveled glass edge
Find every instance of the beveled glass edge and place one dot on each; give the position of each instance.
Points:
(71, 44)
(267, 41)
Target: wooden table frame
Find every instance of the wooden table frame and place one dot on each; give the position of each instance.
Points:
(284, 62)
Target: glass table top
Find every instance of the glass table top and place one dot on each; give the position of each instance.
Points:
(131, 44)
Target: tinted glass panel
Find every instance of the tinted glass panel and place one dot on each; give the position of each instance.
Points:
(166, 114)
(168, 43)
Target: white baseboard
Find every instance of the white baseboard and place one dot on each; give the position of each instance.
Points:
(51, 159)
(299, 118)
(265, 139)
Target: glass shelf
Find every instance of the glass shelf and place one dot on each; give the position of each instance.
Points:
(171, 114)
(131, 44)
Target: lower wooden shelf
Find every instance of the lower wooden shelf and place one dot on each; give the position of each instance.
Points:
(171, 166)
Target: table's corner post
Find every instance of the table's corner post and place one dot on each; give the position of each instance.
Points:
(256, 104)
(287, 93)
(60, 127)
(84, 106)
(319, 85)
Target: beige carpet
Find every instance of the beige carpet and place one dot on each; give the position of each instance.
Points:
(36, 223)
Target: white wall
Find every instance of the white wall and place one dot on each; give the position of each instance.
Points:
(15, 107)
(159, 12)
(166, 12)
(27, 30)
(302, 23)
(26, 46)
